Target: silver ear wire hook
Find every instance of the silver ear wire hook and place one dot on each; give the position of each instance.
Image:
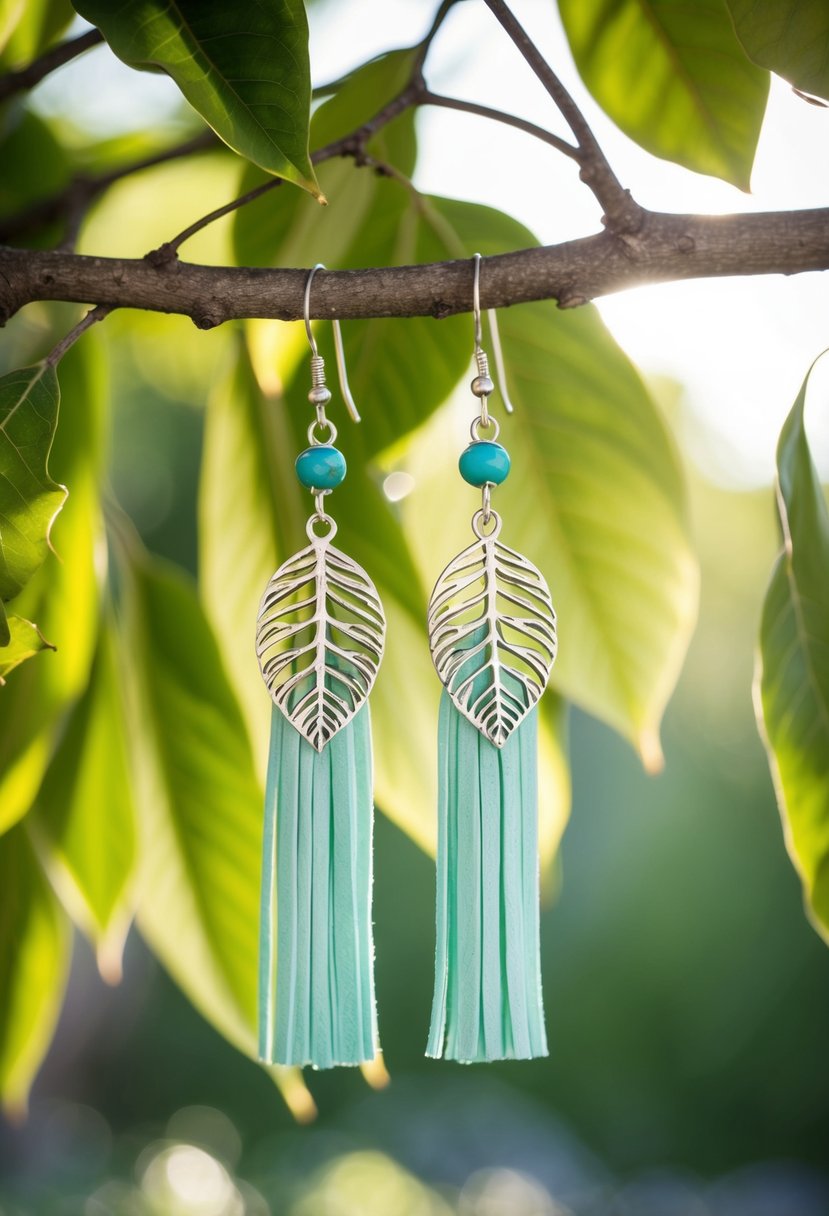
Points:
(317, 363)
(479, 383)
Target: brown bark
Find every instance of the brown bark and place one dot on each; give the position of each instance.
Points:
(666, 247)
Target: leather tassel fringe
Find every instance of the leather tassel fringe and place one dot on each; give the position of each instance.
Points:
(487, 1002)
(316, 987)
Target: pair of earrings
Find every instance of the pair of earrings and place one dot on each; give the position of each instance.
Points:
(320, 639)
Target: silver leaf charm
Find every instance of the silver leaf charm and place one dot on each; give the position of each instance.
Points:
(319, 639)
(492, 633)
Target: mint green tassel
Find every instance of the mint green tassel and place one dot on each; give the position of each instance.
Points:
(487, 1003)
(316, 955)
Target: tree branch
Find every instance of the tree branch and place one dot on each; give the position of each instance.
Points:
(349, 145)
(621, 213)
(26, 78)
(667, 247)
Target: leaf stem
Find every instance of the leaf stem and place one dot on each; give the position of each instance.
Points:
(92, 317)
(168, 252)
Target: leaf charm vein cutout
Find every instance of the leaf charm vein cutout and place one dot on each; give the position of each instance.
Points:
(492, 632)
(319, 640)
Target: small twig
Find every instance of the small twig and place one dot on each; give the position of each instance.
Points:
(352, 144)
(168, 252)
(74, 200)
(426, 44)
(26, 78)
(94, 315)
(427, 98)
(621, 213)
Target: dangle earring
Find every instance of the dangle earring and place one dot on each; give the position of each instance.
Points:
(492, 634)
(319, 642)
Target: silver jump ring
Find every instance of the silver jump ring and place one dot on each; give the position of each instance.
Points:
(328, 521)
(314, 440)
(486, 501)
(479, 525)
(478, 425)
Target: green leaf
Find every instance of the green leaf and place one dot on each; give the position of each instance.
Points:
(200, 805)
(29, 498)
(674, 78)
(62, 596)
(289, 230)
(792, 686)
(84, 813)
(360, 95)
(29, 27)
(595, 498)
(789, 37)
(243, 67)
(34, 962)
(26, 641)
(35, 166)
(200, 802)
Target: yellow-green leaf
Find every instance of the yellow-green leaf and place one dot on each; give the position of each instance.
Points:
(34, 961)
(200, 807)
(28, 27)
(84, 815)
(674, 78)
(244, 67)
(789, 37)
(294, 232)
(62, 596)
(29, 498)
(26, 641)
(793, 673)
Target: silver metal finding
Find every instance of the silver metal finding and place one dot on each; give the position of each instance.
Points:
(320, 394)
(486, 503)
(484, 424)
(321, 627)
(492, 632)
(314, 439)
(320, 636)
(483, 384)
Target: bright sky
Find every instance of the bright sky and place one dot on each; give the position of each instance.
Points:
(739, 347)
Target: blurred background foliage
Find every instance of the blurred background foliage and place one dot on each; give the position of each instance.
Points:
(687, 995)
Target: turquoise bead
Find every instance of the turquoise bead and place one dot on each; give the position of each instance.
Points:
(484, 461)
(321, 467)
